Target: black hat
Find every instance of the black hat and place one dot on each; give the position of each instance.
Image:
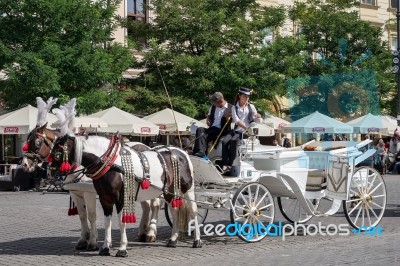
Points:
(243, 90)
(217, 96)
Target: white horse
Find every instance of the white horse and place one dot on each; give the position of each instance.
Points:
(170, 170)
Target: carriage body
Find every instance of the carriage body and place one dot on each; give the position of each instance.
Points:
(296, 176)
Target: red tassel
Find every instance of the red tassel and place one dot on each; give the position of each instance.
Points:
(25, 148)
(50, 158)
(133, 218)
(65, 167)
(73, 211)
(177, 203)
(129, 218)
(145, 184)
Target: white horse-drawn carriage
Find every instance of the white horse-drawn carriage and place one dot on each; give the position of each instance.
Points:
(298, 178)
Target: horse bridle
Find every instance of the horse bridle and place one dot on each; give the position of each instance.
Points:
(40, 139)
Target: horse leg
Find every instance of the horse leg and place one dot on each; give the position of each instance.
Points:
(175, 226)
(105, 249)
(78, 199)
(152, 229)
(124, 240)
(90, 200)
(193, 216)
(144, 222)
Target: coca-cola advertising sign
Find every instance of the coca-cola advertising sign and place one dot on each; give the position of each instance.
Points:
(318, 129)
(145, 130)
(281, 125)
(373, 129)
(162, 127)
(13, 130)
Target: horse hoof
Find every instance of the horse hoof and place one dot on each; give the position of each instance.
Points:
(92, 247)
(150, 239)
(171, 243)
(121, 253)
(142, 238)
(197, 244)
(104, 252)
(81, 245)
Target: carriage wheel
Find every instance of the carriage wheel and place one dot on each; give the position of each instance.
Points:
(292, 210)
(252, 211)
(367, 199)
(201, 215)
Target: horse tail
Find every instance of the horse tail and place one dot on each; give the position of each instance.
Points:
(120, 201)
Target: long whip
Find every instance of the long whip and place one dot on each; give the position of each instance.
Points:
(219, 135)
(170, 103)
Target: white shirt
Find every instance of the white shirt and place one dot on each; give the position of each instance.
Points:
(218, 114)
(242, 114)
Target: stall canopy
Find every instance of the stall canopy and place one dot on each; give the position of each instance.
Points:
(125, 123)
(22, 121)
(87, 123)
(317, 123)
(373, 124)
(264, 130)
(166, 122)
(276, 122)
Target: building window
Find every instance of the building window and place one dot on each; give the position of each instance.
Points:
(393, 3)
(136, 10)
(369, 2)
(393, 43)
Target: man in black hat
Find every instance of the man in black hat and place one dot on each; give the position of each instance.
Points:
(217, 118)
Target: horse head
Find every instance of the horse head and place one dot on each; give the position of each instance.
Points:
(38, 147)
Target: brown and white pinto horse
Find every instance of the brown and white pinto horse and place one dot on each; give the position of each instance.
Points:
(110, 186)
(40, 141)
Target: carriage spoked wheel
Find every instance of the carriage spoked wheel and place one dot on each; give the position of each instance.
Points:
(201, 215)
(252, 211)
(292, 210)
(367, 199)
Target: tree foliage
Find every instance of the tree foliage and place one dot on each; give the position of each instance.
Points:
(59, 48)
(202, 46)
(352, 72)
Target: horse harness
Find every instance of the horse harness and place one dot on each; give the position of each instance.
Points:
(107, 160)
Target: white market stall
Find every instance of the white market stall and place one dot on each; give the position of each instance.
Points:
(373, 124)
(317, 123)
(14, 128)
(125, 123)
(87, 124)
(174, 123)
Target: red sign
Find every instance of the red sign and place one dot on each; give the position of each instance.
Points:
(163, 127)
(14, 130)
(281, 125)
(318, 129)
(373, 129)
(145, 130)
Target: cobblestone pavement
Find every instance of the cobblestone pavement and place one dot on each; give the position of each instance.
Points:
(35, 230)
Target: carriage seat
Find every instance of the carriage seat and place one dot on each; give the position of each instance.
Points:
(316, 180)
